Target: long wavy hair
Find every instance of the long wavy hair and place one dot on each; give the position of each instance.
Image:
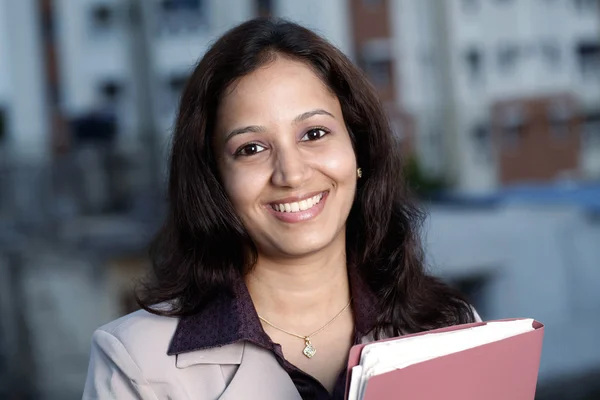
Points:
(202, 248)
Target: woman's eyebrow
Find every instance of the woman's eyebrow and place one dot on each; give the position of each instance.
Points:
(308, 114)
(260, 129)
(245, 129)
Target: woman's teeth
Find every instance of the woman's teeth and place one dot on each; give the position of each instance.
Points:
(299, 205)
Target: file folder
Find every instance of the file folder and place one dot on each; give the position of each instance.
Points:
(500, 370)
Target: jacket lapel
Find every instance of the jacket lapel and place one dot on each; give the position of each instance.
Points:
(230, 354)
(260, 376)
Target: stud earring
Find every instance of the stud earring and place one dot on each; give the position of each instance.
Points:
(359, 172)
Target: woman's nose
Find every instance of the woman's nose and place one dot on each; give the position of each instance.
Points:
(290, 169)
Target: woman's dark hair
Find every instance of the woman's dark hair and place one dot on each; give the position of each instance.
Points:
(202, 249)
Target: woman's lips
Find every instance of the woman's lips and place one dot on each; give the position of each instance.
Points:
(299, 211)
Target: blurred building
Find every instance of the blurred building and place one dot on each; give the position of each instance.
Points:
(457, 77)
(485, 78)
(131, 58)
(119, 66)
(372, 33)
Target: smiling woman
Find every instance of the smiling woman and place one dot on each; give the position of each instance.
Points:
(291, 235)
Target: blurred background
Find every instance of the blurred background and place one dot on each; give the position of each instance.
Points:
(496, 102)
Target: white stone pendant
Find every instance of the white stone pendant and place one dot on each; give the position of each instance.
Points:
(309, 351)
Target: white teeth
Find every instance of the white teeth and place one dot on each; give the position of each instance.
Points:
(302, 205)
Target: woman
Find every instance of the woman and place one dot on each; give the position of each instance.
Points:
(290, 237)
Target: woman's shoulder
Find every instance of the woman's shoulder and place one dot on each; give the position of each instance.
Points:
(139, 329)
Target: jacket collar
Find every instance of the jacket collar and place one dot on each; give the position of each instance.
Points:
(224, 320)
(230, 319)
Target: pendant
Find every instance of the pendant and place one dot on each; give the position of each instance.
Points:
(309, 351)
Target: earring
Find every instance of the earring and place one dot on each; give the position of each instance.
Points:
(359, 172)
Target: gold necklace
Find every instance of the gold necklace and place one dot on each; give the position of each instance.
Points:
(309, 350)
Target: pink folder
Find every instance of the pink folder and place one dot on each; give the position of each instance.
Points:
(502, 370)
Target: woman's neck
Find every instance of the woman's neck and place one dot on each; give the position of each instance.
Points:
(300, 294)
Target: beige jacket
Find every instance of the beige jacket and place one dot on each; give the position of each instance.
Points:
(129, 361)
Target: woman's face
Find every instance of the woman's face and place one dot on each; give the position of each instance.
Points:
(286, 159)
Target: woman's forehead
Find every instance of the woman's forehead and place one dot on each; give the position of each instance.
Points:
(283, 88)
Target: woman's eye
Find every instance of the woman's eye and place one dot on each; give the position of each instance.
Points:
(315, 134)
(250, 149)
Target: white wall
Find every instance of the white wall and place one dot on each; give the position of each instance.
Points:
(542, 262)
(416, 48)
(330, 19)
(4, 56)
(27, 124)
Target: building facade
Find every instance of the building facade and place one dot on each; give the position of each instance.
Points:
(458, 59)
(537, 139)
(372, 35)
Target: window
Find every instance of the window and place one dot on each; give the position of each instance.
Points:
(181, 5)
(507, 58)
(559, 118)
(376, 61)
(482, 142)
(181, 16)
(379, 72)
(173, 88)
(586, 6)
(591, 131)
(102, 18)
(474, 62)
(512, 124)
(110, 90)
(550, 53)
(109, 94)
(588, 54)
(176, 83)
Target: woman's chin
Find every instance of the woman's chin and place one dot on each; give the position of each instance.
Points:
(297, 248)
